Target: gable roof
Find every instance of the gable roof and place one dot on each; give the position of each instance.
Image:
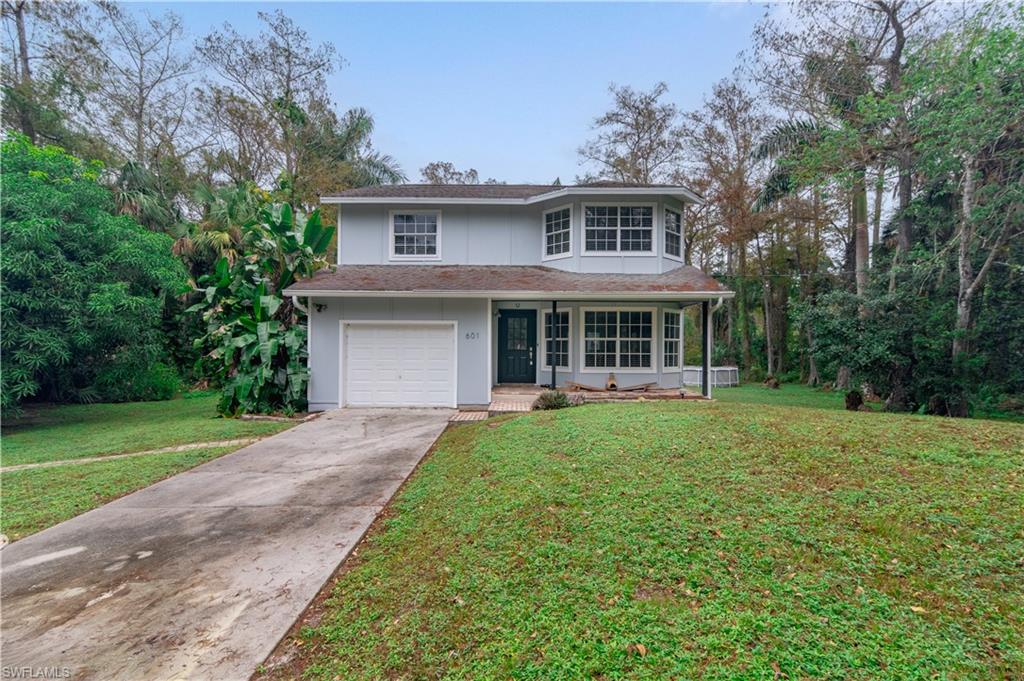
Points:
(506, 281)
(522, 194)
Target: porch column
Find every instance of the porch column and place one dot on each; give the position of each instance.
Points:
(552, 334)
(705, 348)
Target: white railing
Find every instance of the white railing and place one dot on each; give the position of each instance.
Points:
(720, 376)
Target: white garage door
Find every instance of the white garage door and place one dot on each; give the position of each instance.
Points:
(399, 365)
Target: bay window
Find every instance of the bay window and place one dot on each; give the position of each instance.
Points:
(558, 232)
(673, 233)
(618, 229)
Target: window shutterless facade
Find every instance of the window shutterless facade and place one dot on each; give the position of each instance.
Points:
(672, 340)
(562, 355)
(618, 229)
(618, 339)
(558, 233)
(673, 234)
(415, 235)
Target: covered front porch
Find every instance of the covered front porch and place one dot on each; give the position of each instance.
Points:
(606, 349)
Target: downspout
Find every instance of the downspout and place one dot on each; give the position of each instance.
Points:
(297, 304)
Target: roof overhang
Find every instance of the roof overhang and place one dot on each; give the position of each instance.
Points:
(682, 193)
(612, 296)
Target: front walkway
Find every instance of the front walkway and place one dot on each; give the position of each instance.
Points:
(200, 575)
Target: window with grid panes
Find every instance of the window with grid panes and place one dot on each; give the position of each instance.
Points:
(561, 345)
(673, 233)
(415, 234)
(672, 337)
(557, 231)
(618, 229)
(617, 339)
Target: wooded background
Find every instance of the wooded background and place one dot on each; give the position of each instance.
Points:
(862, 167)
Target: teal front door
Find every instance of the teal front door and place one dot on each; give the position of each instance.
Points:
(517, 346)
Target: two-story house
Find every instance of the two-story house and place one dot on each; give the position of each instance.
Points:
(442, 292)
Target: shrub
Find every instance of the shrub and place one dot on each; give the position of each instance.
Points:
(552, 399)
(84, 291)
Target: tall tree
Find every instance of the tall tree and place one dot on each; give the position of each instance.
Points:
(137, 68)
(971, 130)
(638, 139)
(279, 70)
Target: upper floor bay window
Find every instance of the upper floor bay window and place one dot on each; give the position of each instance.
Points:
(416, 235)
(558, 233)
(618, 229)
(673, 233)
(618, 340)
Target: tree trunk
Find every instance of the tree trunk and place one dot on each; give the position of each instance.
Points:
(876, 222)
(860, 225)
(742, 313)
(905, 194)
(25, 115)
(766, 297)
(813, 378)
(965, 291)
(843, 378)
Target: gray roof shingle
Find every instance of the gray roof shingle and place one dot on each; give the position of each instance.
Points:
(480, 191)
(525, 279)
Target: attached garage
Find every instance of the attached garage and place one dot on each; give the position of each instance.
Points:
(398, 364)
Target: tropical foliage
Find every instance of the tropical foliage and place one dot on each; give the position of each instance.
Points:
(84, 290)
(255, 341)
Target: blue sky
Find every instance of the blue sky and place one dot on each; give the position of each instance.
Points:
(509, 89)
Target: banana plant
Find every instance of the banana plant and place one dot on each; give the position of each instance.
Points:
(256, 341)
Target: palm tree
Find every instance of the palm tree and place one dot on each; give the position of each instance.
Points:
(843, 83)
(226, 212)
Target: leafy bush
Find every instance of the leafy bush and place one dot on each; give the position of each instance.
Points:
(255, 339)
(552, 399)
(83, 290)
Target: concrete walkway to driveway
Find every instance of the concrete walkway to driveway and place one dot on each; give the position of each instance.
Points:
(199, 576)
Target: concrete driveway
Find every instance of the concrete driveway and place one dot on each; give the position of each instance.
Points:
(199, 576)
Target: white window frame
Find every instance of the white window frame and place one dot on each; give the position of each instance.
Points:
(655, 228)
(544, 341)
(664, 227)
(666, 368)
(544, 233)
(391, 234)
(655, 340)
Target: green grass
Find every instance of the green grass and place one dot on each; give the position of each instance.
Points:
(77, 431)
(37, 498)
(730, 540)
(34, 499)
(788, 395)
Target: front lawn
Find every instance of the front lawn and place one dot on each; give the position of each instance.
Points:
(690, 540)
(787, 395)
(34, 499)
(76, 431)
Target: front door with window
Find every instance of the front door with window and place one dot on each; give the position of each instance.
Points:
(517, 346)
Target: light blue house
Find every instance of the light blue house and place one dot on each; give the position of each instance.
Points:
(442, 292)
